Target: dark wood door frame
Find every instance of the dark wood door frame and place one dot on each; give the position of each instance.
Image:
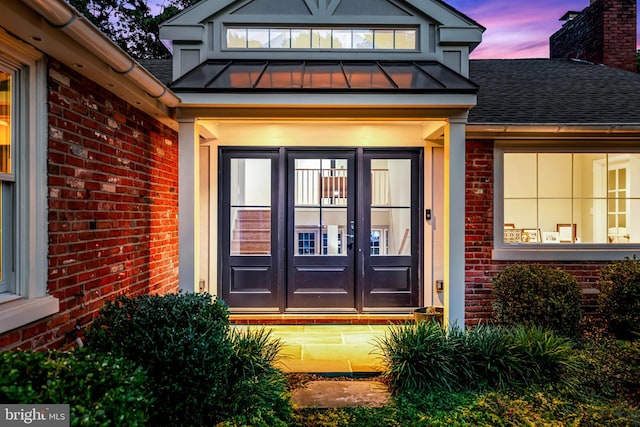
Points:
(390, 283)
(251, 283)
(380, 284)
(321, 282)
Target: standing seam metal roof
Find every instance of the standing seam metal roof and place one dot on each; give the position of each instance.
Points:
(216, 76)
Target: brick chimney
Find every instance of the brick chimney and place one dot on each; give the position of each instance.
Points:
(603, 33)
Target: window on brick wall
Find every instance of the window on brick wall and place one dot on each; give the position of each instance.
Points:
(23, 215)
(567, 203)
(7, 180)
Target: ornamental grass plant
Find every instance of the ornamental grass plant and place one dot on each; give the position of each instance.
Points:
(426, 356)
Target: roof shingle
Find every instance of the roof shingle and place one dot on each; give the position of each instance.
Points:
(553, 91)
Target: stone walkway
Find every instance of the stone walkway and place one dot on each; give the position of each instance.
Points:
(339, 350)
(335, 351)
(341, 394)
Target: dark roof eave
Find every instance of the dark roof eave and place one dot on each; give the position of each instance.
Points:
(391, 92)
(560, 129)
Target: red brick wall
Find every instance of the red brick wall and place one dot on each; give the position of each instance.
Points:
(604, 33)
(480, 268)
(620, 37)
(113, 206)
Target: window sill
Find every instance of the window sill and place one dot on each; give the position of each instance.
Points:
(19, 312)
(566, 253)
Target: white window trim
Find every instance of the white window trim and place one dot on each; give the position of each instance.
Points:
(29, 300)
(545, 252)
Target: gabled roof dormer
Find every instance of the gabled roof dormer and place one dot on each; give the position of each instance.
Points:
(315, 30)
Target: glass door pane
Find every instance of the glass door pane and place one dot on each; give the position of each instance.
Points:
(390, 233)
(250, 220)
(320, 207)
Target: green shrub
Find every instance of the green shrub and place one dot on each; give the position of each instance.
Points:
(424, 357)
(542, 356)
(101, 389)
(538, 295)
(609, 369)
(258, 394)
(488, 358)
(619, 298)
(182, 342)
(417, 357)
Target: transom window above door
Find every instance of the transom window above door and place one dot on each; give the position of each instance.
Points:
(563, 198)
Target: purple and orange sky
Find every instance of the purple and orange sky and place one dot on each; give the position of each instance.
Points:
(516, 29)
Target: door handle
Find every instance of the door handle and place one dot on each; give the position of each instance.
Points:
(351, 237)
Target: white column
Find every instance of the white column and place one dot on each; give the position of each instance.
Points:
(454, 207)
(188, 206)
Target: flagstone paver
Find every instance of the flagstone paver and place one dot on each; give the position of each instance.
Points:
(341, 394)
(344, 350)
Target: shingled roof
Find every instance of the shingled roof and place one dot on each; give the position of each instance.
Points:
(553, 91)
(162, 69)
(536, 91)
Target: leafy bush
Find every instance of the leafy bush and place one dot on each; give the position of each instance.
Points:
(200, 371)
(538, 295)
(609, 369)
(181, 340)
(536, 407)
(100, 389)
(424, 356)
(619, 298)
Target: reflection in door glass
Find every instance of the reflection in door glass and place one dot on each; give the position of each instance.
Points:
(390, 233)
(250, 207)
(321, 199)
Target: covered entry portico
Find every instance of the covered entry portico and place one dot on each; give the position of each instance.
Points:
(322, 154)
(433, 146)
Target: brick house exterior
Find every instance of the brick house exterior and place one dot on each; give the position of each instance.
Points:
(480, 266)
(558, 92)
(111, 190)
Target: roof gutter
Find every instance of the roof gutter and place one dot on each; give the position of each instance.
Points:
(66, 18)
(554, 128)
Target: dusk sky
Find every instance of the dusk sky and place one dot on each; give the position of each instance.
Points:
(516, 29)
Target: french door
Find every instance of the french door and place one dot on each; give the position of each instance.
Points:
(320, 230)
